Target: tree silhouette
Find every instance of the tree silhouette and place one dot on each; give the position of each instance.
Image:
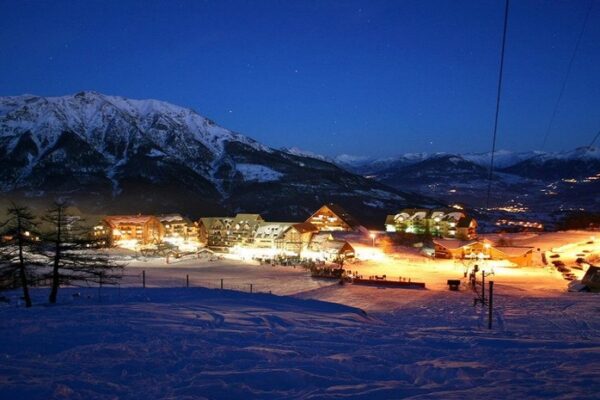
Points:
(73, 252)
(18, 246)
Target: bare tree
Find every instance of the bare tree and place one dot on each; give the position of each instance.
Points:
(17, 250)
(74, 254)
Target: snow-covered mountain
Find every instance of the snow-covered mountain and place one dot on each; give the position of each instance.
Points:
(125, 155)
(502, 159)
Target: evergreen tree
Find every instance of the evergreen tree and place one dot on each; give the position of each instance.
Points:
(73, 253)
(18, 246)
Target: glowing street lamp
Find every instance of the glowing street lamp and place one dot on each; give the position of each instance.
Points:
(372, 236)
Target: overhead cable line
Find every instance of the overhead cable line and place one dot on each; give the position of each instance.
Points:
(498, 94)
(594, 139)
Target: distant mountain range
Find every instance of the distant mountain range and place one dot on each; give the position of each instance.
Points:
(112, 154)
(503, 159)
(542, 185)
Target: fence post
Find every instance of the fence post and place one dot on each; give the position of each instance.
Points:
(483, 288)
(490, 304)
(144, 279)
(221, 283)
(187, 281)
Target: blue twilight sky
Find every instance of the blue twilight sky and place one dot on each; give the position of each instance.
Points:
(361, 77)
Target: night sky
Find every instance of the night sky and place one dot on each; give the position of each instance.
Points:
(366, 78)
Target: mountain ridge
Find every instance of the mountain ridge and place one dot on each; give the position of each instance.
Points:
(125, 155)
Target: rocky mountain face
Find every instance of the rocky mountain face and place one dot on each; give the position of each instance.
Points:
(111, 154)
(530, 185)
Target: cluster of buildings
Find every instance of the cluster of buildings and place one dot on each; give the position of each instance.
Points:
(447, 223)
(330, 233)
(248, 234)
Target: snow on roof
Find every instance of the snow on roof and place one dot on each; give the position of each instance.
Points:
(336, 246)
(171, 217)
(272, 229)
(129, 219)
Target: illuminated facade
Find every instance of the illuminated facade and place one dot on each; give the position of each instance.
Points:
(225, 232)
(142, 229)
(332, 217)
(438, 223)
(482, 250)
(178, 226)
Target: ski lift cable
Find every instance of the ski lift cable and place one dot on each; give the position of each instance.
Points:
(568, 73)
(498, 94)
(594, 139)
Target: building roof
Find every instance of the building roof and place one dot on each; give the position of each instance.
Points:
(320, 237)
(442, 213)
(173, 218)
(128, 219)
(248, 217)
(454, 244)
(336, 246)
(390, 219)
(271, 230)
(208, 221)
(465, 222)
(342, 214)
(304, 227)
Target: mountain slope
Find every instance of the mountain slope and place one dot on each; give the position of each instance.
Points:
(120, 155)
(579, 163)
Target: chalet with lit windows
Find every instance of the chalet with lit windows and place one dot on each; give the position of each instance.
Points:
(296, 238)
(268, 235)
(225, 232)
(323, 246)
(213, 232)
(243, 229)
(438, 223)
(143, 229)
(178, 226)
(332, 217)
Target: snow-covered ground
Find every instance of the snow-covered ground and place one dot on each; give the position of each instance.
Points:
(200, 343)
(236, 275)
(321, 340)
